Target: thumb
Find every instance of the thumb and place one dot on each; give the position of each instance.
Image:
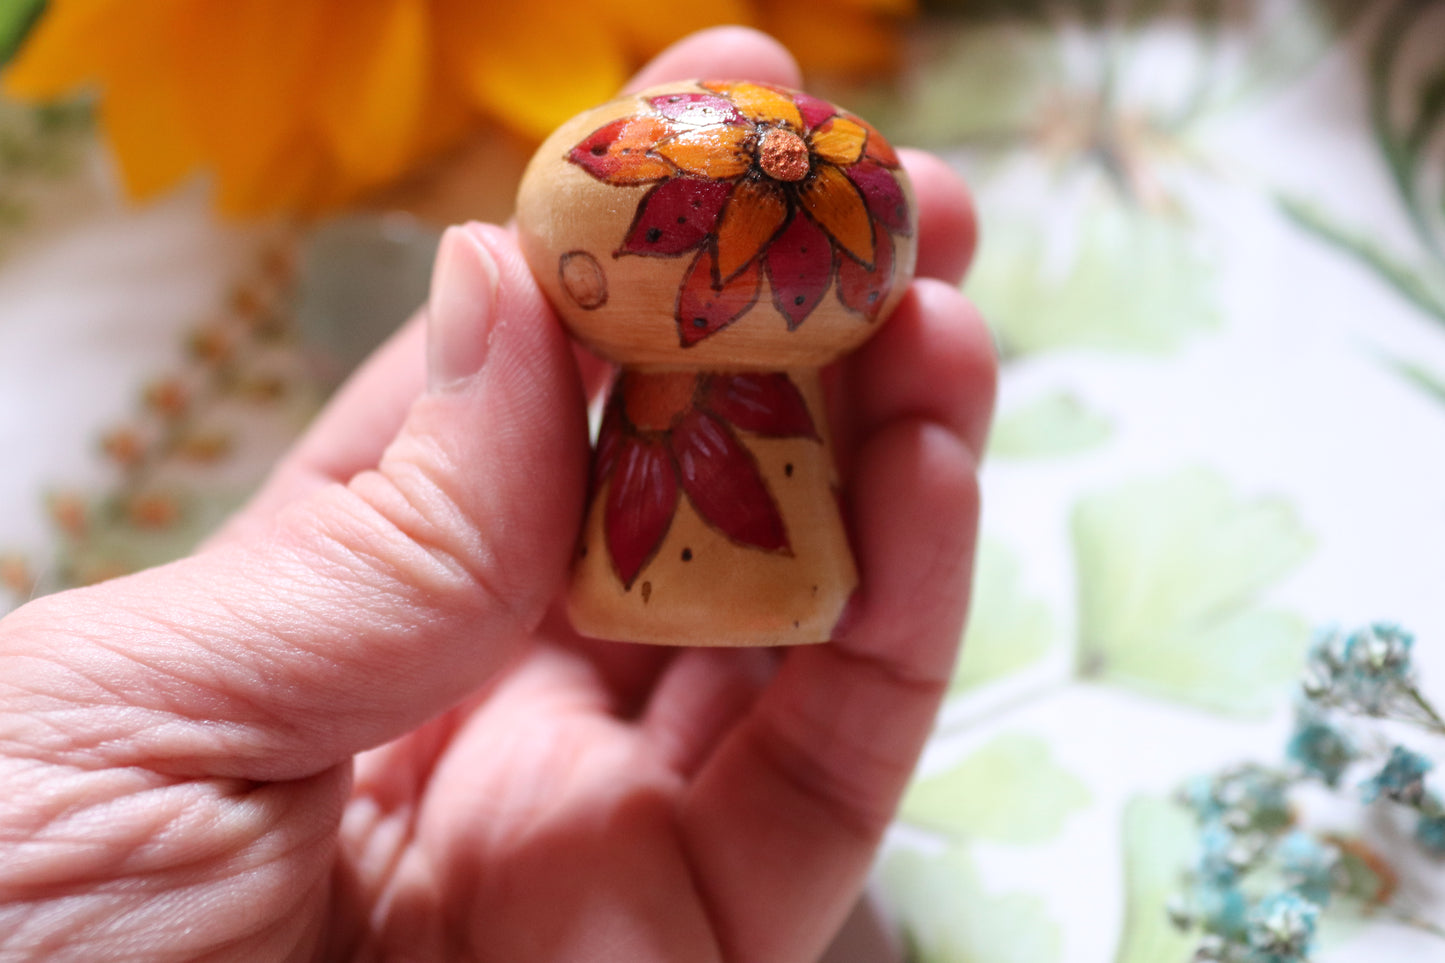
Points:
(362, 609)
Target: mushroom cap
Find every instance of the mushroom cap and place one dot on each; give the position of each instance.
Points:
(720, 225)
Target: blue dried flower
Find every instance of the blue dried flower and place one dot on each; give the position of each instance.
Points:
(1220, 856)
(1198, 794)
(1319, 748)
(1281, 928)
(1430, 830)
(1401, 779)
(1308, 865)
(1377, 666)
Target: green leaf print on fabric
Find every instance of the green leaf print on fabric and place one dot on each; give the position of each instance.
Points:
(1159, 840)
(1115, 279)
(1170, 573)
(977, 85)
(950, 916)
(1405, 83)
(1007, 628)
(1010, 790)
(1057, 423)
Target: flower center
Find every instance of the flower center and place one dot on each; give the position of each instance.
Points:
(783, 155)
(654, 401)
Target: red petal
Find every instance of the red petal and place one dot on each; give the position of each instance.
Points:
(800, 266)
(676, 216)
(814, 110)
(640, 505)
(881, 193)
(722, 481)
(618, 152)
(609, 438)
(702, 309)
(764, 404)
(863, 290)
(698, 110)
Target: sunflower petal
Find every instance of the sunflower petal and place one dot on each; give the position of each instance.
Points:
(882, 195)
(764, 106)
(72, 43)
(862, 290)
(800, 268)
(839, 141)
(676, 216)
(719, 151)
(835, 203)
(764, 404)
(371, 101)
(757, 209)
(696, 110)
(640, 505)
(702, 309)
(721, 479)
(532, 79)
(618, 152)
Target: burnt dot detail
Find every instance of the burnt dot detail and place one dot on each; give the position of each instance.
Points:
(598, 150)
(815, 590)
(699, 322)
(646, 592)
(788, 470)
(682, 218)
(687, 555)
(654, 234)
(800, 299)
(795, 623)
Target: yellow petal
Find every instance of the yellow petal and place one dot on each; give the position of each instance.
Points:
(371, 100)
(830, 197)
(839, 140)
(718, 152)
(843, 40)
(765, 106)
(533, 63)
(142, 120)
(243, 81)
(74, 41)
(753, 215)
(647, 26)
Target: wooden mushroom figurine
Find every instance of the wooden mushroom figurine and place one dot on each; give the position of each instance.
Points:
(722, 242)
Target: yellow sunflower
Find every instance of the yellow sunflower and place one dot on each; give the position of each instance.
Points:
(306, 104)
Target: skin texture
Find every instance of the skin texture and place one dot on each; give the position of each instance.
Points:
(238, 756)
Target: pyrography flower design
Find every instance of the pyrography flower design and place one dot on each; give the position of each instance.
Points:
(756, 180)
(676, 432)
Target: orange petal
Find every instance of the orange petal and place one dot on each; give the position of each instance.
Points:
(878, 147)
(848, 39)
(370, 102)
(618, 152)
(764, 106)
(532, 64)
(839, 140)
(648, 26)
(74, 41)
(834, 202)
(243, 85)
(717, 152)
(153, 148)
(753, 215)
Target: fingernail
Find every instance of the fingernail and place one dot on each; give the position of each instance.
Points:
(461, 311)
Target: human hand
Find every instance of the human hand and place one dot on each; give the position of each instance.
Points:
(238, 755)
